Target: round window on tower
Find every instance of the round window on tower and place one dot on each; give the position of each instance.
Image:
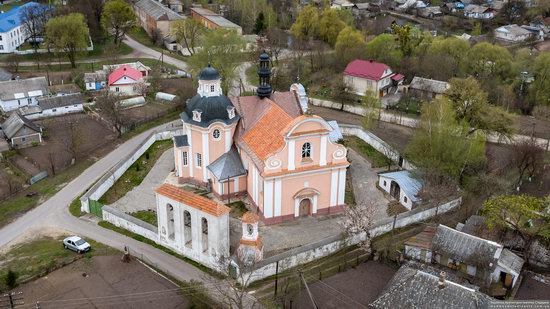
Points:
(250, 229)
(216, 134)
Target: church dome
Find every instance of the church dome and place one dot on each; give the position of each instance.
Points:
(212, 109)
(209, 73)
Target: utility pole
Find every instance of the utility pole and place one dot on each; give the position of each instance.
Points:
(308, 291)
(11, 300)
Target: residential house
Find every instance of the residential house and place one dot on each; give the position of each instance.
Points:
(416, 288)
(478, 12)
(537, 33)
(402, 186)
(512, 33)
(126, 80)
(174, 5)
(12, 31)
(21, 132)
(95, 81)
(142, 68)
(58, 105)
(430, 12)
(476, 257)
(261, 147)
(362, 76)
(212, 20)
(21, 92)
(427, 89)
(154, 16)
(341, 4)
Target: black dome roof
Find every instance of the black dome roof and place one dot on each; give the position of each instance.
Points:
(212, 108)
(209, 73)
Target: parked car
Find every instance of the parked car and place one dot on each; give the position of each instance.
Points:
(76, 244)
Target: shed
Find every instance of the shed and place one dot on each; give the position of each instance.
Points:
(402, 186)
(21, 132)
(163, 96)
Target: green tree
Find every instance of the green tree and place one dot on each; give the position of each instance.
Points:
(539, 91)
(259, 25)
(470, 104)
(117, 18)
(68, 34)
(372, 103)
(444, 144)
(350, 45)
(522, 214)
(223, 50)
(408, 38)
(489, 61)
(330, 26)
(188, 32)
(11, 279)
(385, 49)
(306, 25)
(453, 49)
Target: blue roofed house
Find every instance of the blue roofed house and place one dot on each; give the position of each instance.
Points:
(402, 186)
(12, 31)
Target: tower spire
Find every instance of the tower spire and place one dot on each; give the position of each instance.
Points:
(264, 73)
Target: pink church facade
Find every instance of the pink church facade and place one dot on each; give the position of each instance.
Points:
(263, 148)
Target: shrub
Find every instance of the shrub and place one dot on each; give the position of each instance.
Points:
(11, 279)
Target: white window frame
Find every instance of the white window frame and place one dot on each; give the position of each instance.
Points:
(184, 158)
(214, 134)
(199, 160)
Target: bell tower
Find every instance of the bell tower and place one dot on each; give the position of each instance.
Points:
(250, 248)
(264, 73)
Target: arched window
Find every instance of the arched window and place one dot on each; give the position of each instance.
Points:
(170, 218)
(204, 235)
(187, 236)
(216, 134)
(306, 150)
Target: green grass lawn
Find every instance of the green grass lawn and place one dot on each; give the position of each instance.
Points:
(410, 106)
(18, 205)
(146, 216)
(8, 6)
(136, 172)
(376, 158)
(41, 256)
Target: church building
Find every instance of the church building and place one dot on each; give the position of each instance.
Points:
(265, 148)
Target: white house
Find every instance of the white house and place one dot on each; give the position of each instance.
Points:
(512, 33)
(401, 186)
(12, 32)
(362, 76)
(193, 225)
(126, 80)
(51, 106)
(478, 12)
(472, 255)
(22, 92)
(21, 132)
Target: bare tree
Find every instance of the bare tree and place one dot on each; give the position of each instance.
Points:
(13, 63)
(358, 220)
(188, 32)
(108, 107)
(276, 42)
(232, 291)
(436, 187)
(73, 141)
(34, 19)
(528, 157)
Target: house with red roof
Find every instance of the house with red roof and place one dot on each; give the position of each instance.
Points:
(126, 80)
(363, 76)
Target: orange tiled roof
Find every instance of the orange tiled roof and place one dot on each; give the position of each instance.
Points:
(192, 199)
(266, 136)
(250, 217)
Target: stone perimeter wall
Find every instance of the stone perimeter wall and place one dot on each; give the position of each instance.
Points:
(125, 221)
(114, 173)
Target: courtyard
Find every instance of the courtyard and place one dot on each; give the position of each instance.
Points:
(276, 238)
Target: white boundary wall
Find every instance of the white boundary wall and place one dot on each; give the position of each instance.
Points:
(122, 220)
(376, 143)
(313, 251)
(109, 178)
(413, 122)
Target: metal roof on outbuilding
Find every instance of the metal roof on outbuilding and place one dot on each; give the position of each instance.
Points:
(15, 122)
(59, 101)
(410, 185)
(22, 88)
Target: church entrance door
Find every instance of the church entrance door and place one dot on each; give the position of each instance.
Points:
(305, 207)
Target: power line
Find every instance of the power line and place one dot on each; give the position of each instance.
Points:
(337, 291)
